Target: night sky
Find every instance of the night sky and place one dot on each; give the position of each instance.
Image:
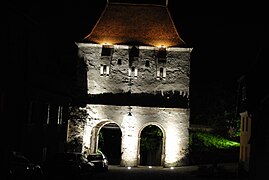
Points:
(225, 38)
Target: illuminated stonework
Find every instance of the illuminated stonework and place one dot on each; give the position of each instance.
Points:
(110, 74)
(134, 70)
(174, 123)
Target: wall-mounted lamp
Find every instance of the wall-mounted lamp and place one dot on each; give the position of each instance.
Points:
(129, 114)
(129, 111)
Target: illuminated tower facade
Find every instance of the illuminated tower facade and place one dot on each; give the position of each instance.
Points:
(137, 71)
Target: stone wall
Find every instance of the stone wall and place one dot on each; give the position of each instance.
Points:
(174, 122)
(146, 72)
(118, 80)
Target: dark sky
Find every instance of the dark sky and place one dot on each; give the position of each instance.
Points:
(225, 38)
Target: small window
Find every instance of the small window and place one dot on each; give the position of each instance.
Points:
(162, 72)
(106, 50)
(60, 115)
(119, 62)
(104, 70)
(147, 63)
(101, 70)
(133, 71)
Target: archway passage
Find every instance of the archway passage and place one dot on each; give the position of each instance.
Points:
(151, 143)
(110, 143)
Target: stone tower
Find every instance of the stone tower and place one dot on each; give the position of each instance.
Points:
(137, 71)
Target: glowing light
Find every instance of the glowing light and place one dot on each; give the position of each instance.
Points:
(129, 167)
(173, 145)
(172, 168)
(161, 46)
(150, 167)
(87, 136)
(106, 43)
(129, 140)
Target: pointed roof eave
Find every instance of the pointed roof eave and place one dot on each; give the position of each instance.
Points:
(184, 43)
(86, 37)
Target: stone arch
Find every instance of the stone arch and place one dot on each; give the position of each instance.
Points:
(96, 129)
(163, 141)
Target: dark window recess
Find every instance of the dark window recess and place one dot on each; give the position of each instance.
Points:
(161, 70)
(147, 63)
(134, 52)
(106, 51)
(162, 53)
(133, 68)
(104, 69)
(119, 62)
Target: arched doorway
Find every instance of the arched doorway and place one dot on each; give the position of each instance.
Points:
(109, 142)
(151, 146)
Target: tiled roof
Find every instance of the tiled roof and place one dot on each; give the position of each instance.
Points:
(135, 24)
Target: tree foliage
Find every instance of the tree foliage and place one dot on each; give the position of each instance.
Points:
(77, 119)
(77, 114)
(151, 137)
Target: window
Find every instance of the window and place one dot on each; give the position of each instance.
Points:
(60, 115)
(161, 73)
(104, 70)
(119, 62)
(147, 63)
(133, 70)
(106, 50)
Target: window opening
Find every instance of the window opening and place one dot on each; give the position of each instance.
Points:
(104, 70)
(147, 63)
(60, 115)
(106, 50)
(119, 62)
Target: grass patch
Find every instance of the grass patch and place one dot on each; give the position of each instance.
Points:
(208, 147)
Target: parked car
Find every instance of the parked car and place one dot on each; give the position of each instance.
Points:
(18, 166)
(99, 160)
(68, 164)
